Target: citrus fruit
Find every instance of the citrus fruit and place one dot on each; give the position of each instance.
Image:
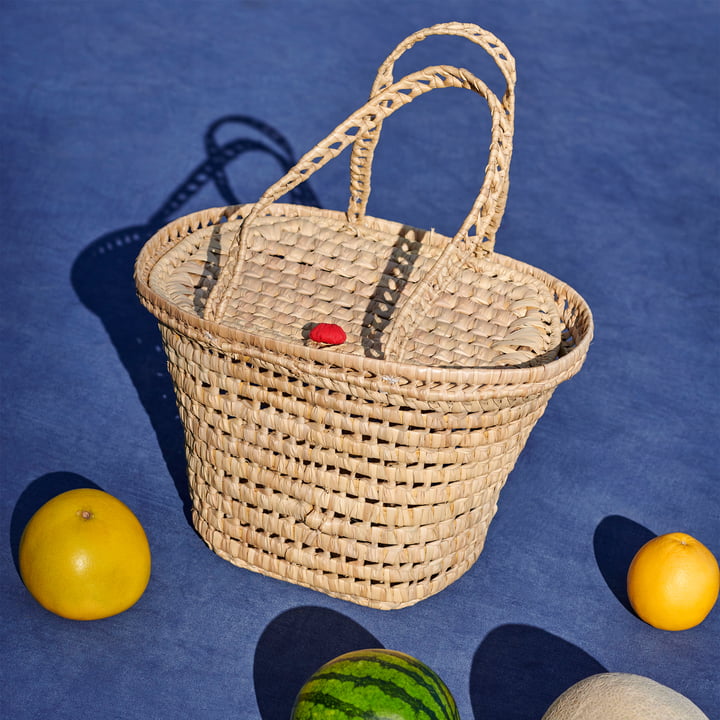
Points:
(84, 555)
(673, 582)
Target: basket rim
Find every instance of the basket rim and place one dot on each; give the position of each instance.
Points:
(328, 361)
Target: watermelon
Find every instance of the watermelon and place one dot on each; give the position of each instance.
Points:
(374, 684)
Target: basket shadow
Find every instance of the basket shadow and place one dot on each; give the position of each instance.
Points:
(102, 278)
(615, 542)
(35, 495)
(519, 670)
(295, 644)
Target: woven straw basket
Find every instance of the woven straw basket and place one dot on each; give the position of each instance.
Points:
(368, 470)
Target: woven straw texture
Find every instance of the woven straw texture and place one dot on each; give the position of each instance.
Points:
(370, 470)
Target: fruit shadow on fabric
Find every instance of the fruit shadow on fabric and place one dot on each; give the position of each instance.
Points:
(519, 670)
(35, 495)
(616, 541)
(516, 673)
(102, 277)
(293, 646)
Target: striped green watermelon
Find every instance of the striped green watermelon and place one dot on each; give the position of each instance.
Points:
(374, 684)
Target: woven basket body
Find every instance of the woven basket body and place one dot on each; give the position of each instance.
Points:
(370, 470)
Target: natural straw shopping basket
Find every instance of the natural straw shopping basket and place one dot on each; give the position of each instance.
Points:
(368, 470)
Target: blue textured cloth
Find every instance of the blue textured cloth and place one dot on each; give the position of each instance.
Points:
(119, 116)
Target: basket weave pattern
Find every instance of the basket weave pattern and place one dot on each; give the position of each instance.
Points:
(370, 471)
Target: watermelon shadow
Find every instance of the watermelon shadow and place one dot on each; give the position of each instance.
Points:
(102, 277)
(518, 670)
(293, 646)
(35, 495)
(615, 542)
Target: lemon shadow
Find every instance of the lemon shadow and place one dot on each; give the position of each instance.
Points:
(615, 542)
(35, 495)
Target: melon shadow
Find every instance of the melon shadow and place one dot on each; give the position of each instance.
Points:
(293, 646)
(519, 670)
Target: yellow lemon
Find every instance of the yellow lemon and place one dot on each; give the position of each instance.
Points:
(673, 582)
(84, 555)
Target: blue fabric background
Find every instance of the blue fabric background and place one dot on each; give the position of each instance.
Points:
(118, 116)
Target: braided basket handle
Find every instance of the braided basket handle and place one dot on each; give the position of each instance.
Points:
(358, 125)
(364, 148)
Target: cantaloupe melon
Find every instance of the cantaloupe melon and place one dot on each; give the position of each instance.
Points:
(622, 696)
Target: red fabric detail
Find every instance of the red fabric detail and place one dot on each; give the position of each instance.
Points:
(328, 334)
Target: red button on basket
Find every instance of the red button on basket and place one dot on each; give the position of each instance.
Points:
(328, 334)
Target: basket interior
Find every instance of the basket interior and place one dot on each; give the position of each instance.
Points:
(305, 269)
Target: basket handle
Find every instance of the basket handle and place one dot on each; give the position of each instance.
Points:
(364, 148)
(383, 104)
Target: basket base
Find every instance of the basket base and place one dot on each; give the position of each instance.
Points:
(376, 595)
